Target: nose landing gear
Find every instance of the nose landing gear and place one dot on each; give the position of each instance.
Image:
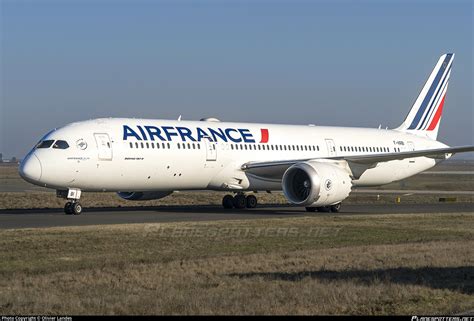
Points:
(72, 206)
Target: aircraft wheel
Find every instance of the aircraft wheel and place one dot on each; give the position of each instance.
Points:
(336, 208)
(251, 201)
(228, 201)
(68, 208)
(311, 209)
(240, 201)
(76, 208)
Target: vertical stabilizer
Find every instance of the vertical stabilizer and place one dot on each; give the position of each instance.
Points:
(425, 114)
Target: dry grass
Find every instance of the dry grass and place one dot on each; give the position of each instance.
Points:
(400, 264)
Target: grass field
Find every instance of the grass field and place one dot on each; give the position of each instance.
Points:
(378, 264)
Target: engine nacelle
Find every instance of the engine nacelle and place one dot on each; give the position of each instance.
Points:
(316, 184)
(143, 196)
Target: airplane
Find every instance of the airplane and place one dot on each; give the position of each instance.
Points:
(316, 167)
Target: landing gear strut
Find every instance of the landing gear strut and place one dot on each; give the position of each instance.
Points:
(239, 201)
(72, 206)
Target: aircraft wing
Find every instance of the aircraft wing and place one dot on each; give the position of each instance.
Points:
(276, 169)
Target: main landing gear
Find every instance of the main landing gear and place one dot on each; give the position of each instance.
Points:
(72, 206)
(325, 209)
(239, 201)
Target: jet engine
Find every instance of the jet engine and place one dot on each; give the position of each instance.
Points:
(143, 196)
(316, 183)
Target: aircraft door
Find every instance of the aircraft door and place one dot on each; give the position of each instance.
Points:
(211, 150)
(331, 147)
(104, 146)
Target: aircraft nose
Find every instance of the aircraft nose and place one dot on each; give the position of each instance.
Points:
(30, 168)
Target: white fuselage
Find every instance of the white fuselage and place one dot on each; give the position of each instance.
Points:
(163, 155)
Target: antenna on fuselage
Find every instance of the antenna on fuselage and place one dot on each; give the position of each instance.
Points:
(179, 118)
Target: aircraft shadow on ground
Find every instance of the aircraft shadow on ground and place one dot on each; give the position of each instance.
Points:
(460, 279)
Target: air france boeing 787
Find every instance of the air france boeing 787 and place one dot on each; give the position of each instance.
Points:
(316, 167)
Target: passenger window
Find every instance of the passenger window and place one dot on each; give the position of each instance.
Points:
(45, 144)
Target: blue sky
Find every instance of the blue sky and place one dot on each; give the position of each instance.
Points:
(345, 63)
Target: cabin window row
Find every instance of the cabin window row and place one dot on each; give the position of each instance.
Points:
(153, 145)
(364, 149)
(274, 147)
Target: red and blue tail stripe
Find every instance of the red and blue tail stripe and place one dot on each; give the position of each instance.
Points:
(425, 114)
(433, 96)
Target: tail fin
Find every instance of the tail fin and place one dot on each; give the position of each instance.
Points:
(425, 114)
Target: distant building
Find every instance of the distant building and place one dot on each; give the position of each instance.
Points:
(1, 158)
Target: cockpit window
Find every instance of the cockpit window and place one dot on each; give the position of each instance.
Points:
(61, 144)
(45, 144)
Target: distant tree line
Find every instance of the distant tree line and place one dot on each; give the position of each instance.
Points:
(11, 160)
